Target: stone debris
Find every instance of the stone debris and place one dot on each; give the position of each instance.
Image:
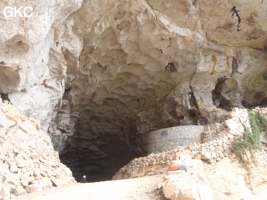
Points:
(28, 162)
(213, 170)
(211, 151)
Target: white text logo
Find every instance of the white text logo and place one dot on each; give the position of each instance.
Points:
(18, 12)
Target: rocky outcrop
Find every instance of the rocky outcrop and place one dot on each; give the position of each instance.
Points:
(99, 74)
(211, 166)
(216, 148)
(181, 186)
(28, 162)
(223, 180)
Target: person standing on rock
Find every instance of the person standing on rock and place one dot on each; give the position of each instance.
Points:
(83, 180)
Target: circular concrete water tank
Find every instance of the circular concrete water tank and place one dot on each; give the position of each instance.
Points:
(170, 138)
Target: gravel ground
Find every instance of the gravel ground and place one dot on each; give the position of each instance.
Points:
(145, 188)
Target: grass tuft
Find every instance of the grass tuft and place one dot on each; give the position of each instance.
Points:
(249, 142)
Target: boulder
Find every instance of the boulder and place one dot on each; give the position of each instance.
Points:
(13, 168)
(205, 192)
(19, 191)
(190, 193)
(176, 182)
(25, 180)
(57, 182)
(198, 192)
(34, 187)
(46, 182)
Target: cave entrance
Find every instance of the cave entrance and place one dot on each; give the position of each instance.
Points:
(111, 133)
(99, 151)
(96, 167)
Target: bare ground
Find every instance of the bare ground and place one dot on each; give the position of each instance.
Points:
(145, 188)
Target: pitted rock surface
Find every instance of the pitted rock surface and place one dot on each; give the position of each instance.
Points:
(98, 74)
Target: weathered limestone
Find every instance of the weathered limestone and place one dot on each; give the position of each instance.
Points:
(211, 151)
(211, 165)
(27, 160)
(26, 47)
(98, 74)
(185, 185)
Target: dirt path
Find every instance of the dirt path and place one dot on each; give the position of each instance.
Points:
(145, 188)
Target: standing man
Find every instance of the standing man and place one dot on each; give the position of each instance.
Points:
(83, 180)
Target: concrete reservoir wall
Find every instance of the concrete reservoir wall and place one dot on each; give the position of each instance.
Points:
(169, 138)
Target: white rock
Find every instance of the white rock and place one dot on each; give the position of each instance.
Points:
(205, 155)
(186, 194)
(3, 120)
(175, 183)
(22, 163)
(19, 191)
(12, 178)
(46, 182)
(220, 142)
(26, 179)
(205, 192)
(175, 195)
(231, 124)
(34, 187)
(13, 168)
(213, 154)
(193, 192)
(57, 182)
(5, 192)
(212, 147)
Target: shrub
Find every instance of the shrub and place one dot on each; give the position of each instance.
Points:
(249, 141)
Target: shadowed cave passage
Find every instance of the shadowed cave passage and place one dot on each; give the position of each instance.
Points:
(99, 155)
(96, 168)
(106, 138)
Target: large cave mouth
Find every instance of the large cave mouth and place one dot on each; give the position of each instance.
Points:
(106, 135)
(111, 132)
(118, 85)
(102, 144)
(99, 159)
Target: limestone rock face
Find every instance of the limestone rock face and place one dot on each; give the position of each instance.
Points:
(98, 74)
(235, 23)
(30, 64)
(28, 162)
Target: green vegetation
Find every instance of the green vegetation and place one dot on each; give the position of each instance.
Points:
(249, 142)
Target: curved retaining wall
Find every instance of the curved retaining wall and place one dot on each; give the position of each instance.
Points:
(169, 138)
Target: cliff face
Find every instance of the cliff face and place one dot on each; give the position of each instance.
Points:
(98, 74)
